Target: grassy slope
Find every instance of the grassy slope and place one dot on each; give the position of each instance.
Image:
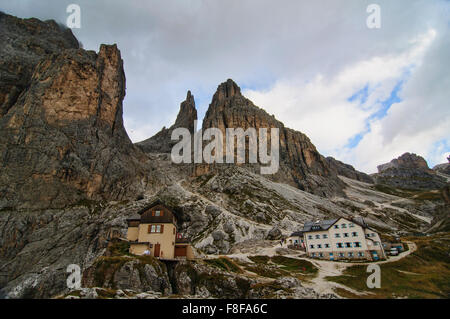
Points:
(423, 274)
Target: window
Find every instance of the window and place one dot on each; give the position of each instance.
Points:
(155, 228)
(376, 243)
(339, 245)
(311, 246)
(348, 245)
(345, 234)
(320, 255)
(357, 244)
(373, 235)
(336, 226)
(360, 254)
(351, 225)
(319, 246)
(355, 234)
(317, 236)
(350, 254)
(341, 254)
(337, 235)
(325, 236)
(313, 254)
(343, 226)
(327, 245)
(309, 237)
(158, 213)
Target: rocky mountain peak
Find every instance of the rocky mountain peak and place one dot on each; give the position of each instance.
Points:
(24, 43)
(187, 114)
(409, 171)
(161, 142)
(407, 160)
(62, 138)
(226, 90)
(301, 165)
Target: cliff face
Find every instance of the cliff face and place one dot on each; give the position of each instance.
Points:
(348, 171)
(161, 142)
(409, 171)
(24, 43)
(300, 163)
(62, 138)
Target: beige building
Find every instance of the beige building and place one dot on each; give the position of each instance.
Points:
(296, 240)
(153, 231)
(342, 238)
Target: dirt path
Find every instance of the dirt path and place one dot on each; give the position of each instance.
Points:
(335, 268)
(326, 268)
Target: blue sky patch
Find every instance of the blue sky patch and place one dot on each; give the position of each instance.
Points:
(360, 95)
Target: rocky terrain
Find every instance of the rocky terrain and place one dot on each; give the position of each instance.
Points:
(62, 138)
(409, 171)
(70, 177)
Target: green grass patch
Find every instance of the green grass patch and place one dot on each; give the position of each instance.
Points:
(423, 274)
(416, 194)
(224, 264)
(294, 265)
(259, 259)
(117, 247)
(266, 270)
(278, 266)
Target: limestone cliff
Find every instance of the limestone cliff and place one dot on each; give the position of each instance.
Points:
(300, 162)
(24, 42)
(62, 138)
(348, 171)
(408, 171)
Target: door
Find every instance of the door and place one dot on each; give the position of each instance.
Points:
(375, 255)
(180, 251)
(157, 249)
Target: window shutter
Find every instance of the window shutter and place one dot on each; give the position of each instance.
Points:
(153, 213)
(149, 228)
(162, 228)
(162, 212)
(174, 230)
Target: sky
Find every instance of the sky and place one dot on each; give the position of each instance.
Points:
(362, 95)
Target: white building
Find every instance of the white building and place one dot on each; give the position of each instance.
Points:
(342, 238)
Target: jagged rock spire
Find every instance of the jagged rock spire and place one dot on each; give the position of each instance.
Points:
(187, 114)
(161, 142)
(227, 90)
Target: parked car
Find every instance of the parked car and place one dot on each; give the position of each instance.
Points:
(394, 251)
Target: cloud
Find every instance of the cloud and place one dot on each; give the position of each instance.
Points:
(356, 114)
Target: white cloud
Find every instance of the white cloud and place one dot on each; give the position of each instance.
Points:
(322, 109)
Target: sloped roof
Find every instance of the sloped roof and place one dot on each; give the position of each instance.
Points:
(327, 223)
(319, 225)
(297, 233)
